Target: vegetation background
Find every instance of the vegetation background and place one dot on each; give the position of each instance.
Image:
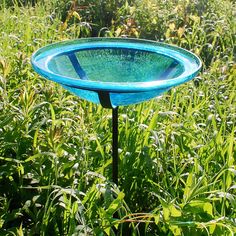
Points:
(177, 152)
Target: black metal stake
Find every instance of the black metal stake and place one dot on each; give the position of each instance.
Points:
(115, 145)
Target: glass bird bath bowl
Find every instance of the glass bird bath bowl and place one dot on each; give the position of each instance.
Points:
(115, 72)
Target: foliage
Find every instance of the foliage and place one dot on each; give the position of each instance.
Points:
(177, 152)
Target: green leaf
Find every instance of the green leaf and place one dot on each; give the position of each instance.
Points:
(166, 213)
(20, 231)
(107, 230)
(150, 127)
(175, 230)
(212, 228)
(6, 121)
(188, 186)
(114, 206)
(156, 219)
(207, 207)
(53, 116)
(174, 211)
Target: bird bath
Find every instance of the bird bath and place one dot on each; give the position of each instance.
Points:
(115, 72)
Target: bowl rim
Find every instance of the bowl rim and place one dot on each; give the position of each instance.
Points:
(119, 87)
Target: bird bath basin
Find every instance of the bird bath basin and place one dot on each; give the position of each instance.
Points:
(115, 72)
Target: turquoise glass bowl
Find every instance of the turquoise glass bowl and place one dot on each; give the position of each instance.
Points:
(115, 71)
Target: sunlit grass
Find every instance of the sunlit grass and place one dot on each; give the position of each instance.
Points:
(177, 152)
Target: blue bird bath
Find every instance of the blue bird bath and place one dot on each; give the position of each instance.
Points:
(115, 71)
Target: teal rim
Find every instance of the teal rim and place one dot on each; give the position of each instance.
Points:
(190, 62)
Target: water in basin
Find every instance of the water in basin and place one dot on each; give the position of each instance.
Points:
(115, 65)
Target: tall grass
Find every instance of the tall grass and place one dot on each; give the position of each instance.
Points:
(177, 152)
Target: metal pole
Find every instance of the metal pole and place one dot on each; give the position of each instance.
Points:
(115, 145)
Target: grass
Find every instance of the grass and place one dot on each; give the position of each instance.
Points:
(177, 152)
